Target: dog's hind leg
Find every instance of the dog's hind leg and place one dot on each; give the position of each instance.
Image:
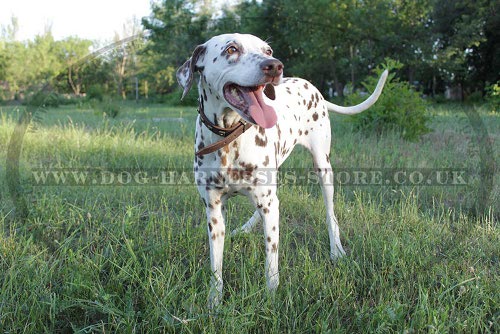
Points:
(326, 178)
(320, 149)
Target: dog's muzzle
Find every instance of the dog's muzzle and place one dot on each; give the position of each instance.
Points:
(272, 68)
(249, 100)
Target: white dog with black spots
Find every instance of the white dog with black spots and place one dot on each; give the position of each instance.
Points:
(242, 87)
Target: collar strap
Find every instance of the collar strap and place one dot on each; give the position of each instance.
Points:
(229, 134)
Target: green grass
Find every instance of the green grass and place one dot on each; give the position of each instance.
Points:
(134, 259)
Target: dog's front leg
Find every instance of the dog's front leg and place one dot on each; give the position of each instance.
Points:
(268, 207)
(216, 232)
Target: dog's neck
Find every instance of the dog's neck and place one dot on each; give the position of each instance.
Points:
(215, 107)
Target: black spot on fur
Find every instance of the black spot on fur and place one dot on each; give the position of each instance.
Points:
(260, 142)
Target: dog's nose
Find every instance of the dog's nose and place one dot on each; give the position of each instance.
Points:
(272, 67)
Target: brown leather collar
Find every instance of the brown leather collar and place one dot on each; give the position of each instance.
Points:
(228, 134)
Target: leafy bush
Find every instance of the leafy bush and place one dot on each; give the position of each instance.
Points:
(399, 107)
(174, 99)
(111, 108)
(493, 96)
(439, 99)
(475, 97)
(95, 92)
(43, 99)
(107, 107)
(69, 99)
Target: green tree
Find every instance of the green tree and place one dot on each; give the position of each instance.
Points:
(175, 28)
(69, 52)
(124, 57)
(320, 40)
(465, 39)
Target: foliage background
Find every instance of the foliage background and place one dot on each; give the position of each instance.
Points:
(335, 44)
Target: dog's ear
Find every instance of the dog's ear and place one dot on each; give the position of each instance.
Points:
(185, 73)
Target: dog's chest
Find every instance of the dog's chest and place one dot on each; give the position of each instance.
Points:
(254, 147)
(239, 166)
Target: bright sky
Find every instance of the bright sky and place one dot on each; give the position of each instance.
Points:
(89, 19)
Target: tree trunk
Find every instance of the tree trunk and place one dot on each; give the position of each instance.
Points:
(434, 83)
(121, 75)
(136, 89)
(75, 87)
(410, 75)
(351, 53)
(338, 86)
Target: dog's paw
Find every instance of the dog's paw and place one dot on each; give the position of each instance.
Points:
(337, 253)
(214, 300)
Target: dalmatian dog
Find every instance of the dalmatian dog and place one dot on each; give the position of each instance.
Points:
(250, 120)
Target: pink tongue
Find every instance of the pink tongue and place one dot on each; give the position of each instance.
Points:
(262, 114)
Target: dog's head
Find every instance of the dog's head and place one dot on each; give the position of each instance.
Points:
(239, 68)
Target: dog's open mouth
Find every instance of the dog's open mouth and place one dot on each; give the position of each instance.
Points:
(250, 101)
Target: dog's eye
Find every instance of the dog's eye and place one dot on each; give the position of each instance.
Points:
(269, 52)
(231, 50)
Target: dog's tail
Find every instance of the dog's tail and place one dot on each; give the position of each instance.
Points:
(363, 105)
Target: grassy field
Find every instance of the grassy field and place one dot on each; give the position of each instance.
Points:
(134, 258)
